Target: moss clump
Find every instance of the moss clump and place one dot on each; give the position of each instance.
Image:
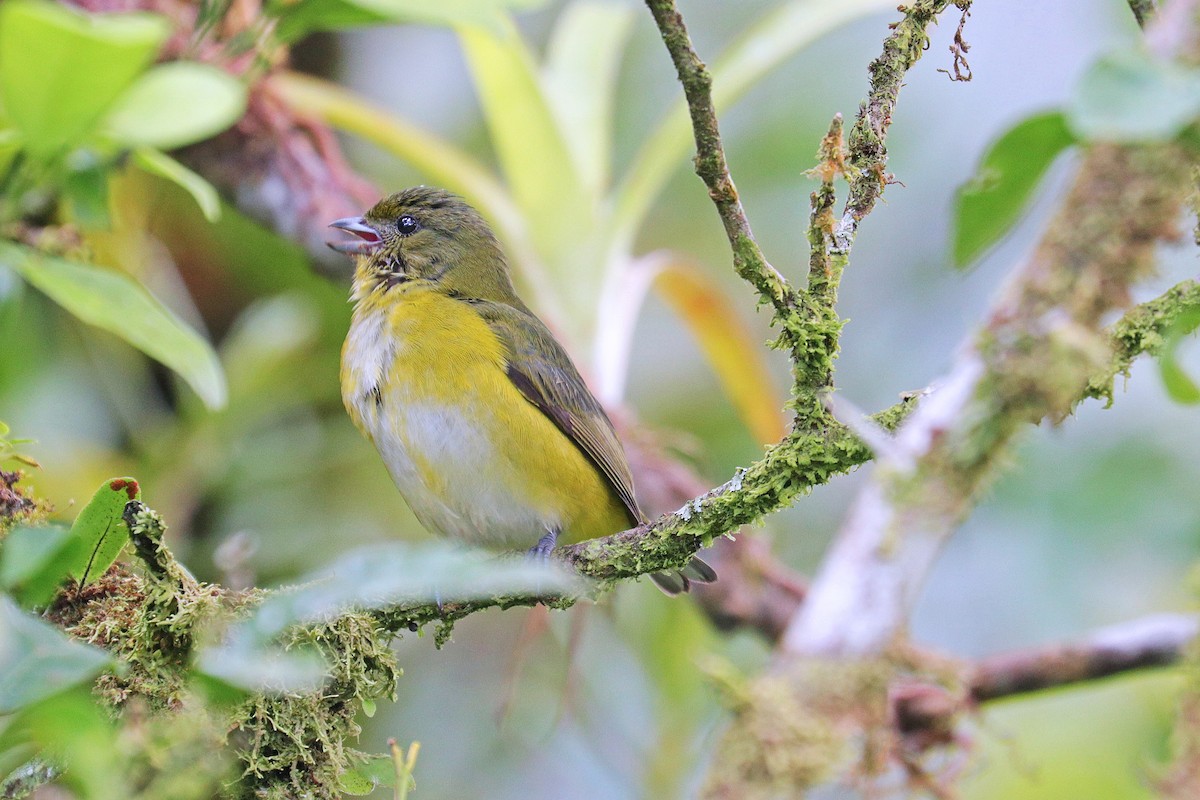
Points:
(294, 745)
(792, 728)
(795, 727)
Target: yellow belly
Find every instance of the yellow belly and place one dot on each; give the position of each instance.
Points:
(423, 376)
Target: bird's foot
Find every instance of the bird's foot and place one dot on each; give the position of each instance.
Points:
(541, 551)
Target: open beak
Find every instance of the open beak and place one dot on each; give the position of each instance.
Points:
(359, 227)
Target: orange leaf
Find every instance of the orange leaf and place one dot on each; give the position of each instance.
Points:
(732, 351)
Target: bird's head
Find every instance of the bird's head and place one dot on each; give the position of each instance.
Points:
(428, 235)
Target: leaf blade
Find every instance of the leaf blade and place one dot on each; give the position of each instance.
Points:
(730, 350)
(1129, 96)
(114, 302)
(204, 193)
(992, 201)
(61, 69)
(38, 661)
(579, 77)
(99, 530)
(176, 104)
(529, 144)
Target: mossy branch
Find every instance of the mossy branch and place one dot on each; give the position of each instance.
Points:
(1038, 351)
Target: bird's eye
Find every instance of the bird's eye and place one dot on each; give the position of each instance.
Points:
(407, 224)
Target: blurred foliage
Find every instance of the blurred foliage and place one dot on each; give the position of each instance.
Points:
(583, 176)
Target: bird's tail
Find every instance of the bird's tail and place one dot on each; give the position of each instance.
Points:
(673, 583)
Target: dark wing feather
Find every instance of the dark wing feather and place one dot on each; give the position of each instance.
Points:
(541, 370)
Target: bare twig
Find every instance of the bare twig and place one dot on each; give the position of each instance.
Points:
(1155, 641)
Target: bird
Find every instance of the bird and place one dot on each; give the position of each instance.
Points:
(484, 423)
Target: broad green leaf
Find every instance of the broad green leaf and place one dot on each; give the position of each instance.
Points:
(176, 104)
(988, 205)
(38, 660)
(580, 77)
(1179, 385)
(61, 69)
(764, 46)
(100, 531)
(355, 783)
(1130, 96)
(299, 19)
(529, 144)
(114, 302)
(162, 165)
(33, 562)
(82, 738)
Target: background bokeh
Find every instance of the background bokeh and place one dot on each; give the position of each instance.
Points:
(1096, 521)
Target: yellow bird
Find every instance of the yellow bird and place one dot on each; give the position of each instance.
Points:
(483, 422)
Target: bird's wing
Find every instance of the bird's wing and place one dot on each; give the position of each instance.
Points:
(539, 367)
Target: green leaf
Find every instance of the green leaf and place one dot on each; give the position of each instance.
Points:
(367, 777)
(100, 531)
(116, 303)
(86, 192)
(299, 19)
(82, 738)
(162, 165)
(60, 69)
(38, 660)
(580, 77)
(368, 707)
(989, 204)
(529, 144)
(1131, 97)
(177, 104)
(33, 562)
(1179, 385)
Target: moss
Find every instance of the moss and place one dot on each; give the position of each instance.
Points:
(793, 728)
(800, 724)
(1144, 329)
(295, 745)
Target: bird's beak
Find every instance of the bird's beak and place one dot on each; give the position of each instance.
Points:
(371, 239)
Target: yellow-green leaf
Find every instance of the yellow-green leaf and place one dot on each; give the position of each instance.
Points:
(580, 77)
(37, 660)
(33, 562)
(176, 104)
(116, 303)
(529, 144)
(61, 69)
(162, 165)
